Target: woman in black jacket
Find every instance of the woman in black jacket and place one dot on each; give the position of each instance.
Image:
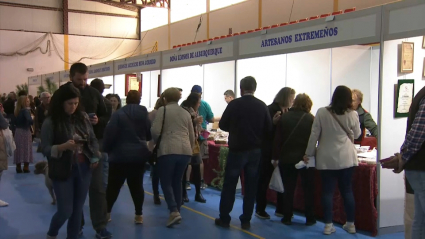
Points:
(71, 147)
(125, 141)
(291, 140)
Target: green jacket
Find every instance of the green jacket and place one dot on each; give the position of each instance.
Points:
(366, 121)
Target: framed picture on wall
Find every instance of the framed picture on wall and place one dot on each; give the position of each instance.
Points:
(407, 56)
(423, 73)
(423, 42)
(405, 90)
(131, 83)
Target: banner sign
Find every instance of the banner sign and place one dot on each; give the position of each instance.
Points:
(34, 80)
(100, 70)
(349, 29)
(137, 64)
(207, 53)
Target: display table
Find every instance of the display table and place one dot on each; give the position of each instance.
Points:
(365, 190)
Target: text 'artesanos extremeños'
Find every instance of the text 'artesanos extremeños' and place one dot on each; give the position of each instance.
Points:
(196, 54)
(137, 63)
(305, 36)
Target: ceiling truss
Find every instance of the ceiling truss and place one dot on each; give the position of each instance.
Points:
(134, 5)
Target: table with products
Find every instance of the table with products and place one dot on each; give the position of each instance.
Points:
(365, 189)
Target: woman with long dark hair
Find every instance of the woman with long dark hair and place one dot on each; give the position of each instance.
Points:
(115, 101)
(334, 129)
(281, 104)
(71, 147)
(191, 104)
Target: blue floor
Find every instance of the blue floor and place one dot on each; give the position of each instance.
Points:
(29, 213)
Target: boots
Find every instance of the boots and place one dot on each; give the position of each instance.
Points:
(26, 168)
(18, 168)
(200, 198)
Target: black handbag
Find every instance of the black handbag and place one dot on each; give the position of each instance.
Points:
(60, 169)
(154, 157)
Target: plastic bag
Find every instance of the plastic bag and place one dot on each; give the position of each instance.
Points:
(9, 142)
(276, 183)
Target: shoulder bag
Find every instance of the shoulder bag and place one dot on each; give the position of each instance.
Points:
(292, 132)
(349, 135)
(154, 157)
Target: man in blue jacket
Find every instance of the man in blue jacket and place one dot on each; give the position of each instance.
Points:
(247, 119)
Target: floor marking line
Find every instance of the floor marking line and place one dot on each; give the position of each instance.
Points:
(212, 218)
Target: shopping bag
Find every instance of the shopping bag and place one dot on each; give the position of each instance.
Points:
(276, 183)
(9, 142)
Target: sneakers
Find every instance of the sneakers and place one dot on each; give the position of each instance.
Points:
(103, 234)
(329, 229)
(203, 185)
(262, 215)
(174, 218)
(188, 187)
(350, 228)
(278, 214)
(108, 216)
(3, 204)
(185, 199)
(138, 219)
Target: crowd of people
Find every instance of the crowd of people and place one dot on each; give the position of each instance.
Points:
(93, 145)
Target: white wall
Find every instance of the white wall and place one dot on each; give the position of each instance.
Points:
(146, 89)
(218, 78)
(184, 78)
(26, 19)
(184, 31)
(119, 86)
(154, 88)
(269, 72)
(391, 188)
(309, 72)
(159, 35)
(351, 67)
(374, 82)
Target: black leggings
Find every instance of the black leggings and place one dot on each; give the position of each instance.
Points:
(118, 173)
(196, 178)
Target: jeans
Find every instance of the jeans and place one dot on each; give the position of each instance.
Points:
(417, 181)
(155, 179)
(344, 178)
(289, 176)
(105, 159)
(70, 195)
(118, 173)
(236, 162)
(171, 170)
(265, 174)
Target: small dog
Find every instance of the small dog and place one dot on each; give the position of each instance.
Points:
(43, 168)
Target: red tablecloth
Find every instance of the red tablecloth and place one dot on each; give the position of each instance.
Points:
(365, 190)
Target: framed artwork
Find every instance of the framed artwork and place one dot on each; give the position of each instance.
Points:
(423, 73)
(131, 83)
(405, 90)
(423, 42)
(407, 56)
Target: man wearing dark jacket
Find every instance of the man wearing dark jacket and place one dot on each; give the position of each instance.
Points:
(248, 122)
(100, 86)
(92, 103)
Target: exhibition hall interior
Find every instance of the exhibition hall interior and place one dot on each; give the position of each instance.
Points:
(212, 119)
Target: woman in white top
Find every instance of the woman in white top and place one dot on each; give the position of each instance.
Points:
(334, 129)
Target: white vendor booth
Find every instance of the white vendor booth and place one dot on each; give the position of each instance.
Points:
(34, 82)
(210, 65)
(51, 82)
(103, 71)
(403, 27)
(63, 77)
(140, 73)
